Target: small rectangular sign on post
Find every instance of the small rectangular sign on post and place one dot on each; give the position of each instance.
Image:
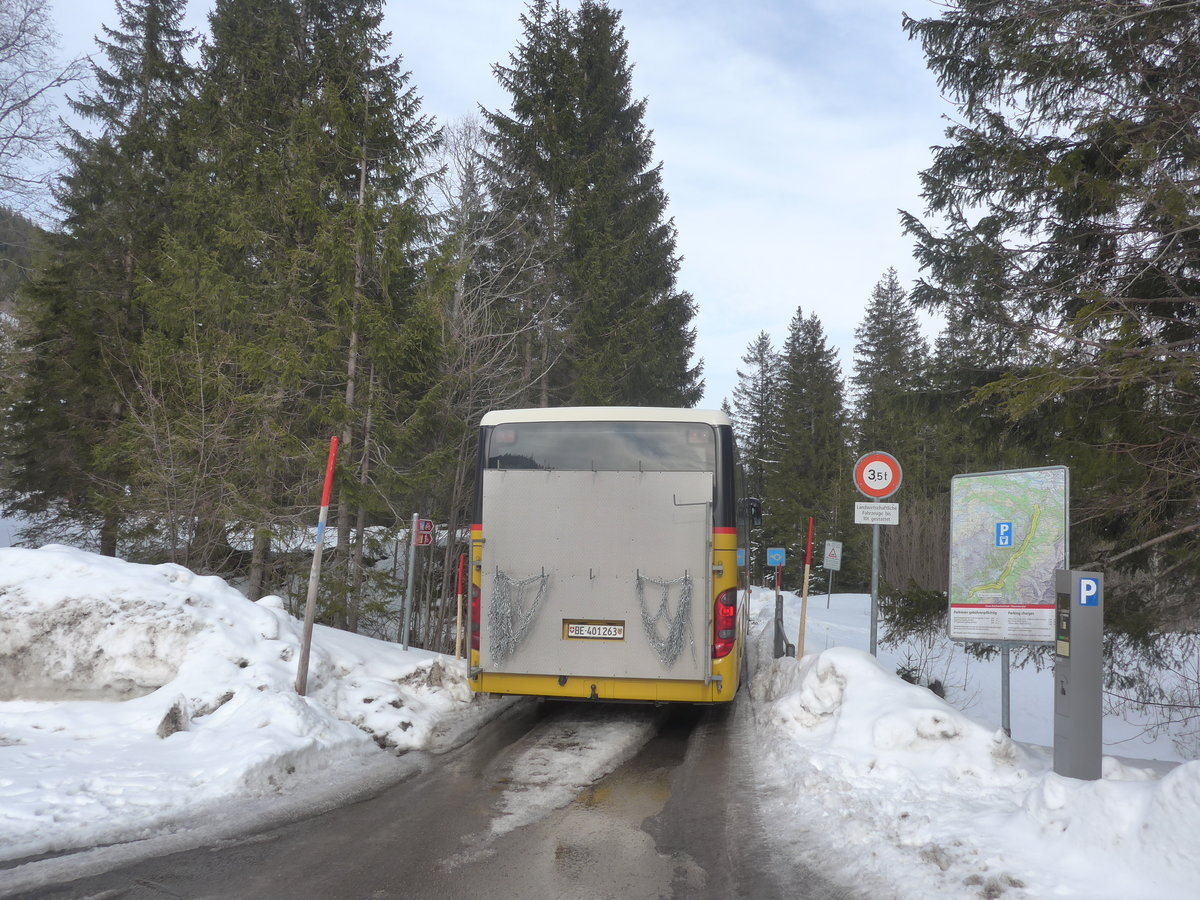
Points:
(833, 556)
(876, 513)
(423, 537)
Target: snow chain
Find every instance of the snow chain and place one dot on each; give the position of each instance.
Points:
(509, 621)
(668, 646)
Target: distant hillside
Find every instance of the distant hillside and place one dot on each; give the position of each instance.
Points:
(17, 234)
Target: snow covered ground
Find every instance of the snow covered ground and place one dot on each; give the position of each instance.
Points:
(147, 709)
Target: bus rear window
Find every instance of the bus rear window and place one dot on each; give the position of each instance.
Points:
(603, 446)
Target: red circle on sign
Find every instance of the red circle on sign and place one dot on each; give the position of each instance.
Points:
(878, 474)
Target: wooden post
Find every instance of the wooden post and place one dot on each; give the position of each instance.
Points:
(804, 592)
(314, 576)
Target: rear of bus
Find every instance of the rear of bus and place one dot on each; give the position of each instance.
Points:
(604, 556)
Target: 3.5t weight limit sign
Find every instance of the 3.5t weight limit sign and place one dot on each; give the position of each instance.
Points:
(878, 474)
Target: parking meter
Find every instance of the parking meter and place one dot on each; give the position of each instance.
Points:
(1078, 673)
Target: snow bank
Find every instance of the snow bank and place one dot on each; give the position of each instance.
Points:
(849, 706)
(907, 776)
(134, 694)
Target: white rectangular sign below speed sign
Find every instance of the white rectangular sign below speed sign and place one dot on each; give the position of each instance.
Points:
(876, 513)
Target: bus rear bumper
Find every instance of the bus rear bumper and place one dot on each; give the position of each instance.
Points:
(720, 689)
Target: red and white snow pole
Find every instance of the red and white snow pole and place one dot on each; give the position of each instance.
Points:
(804, 592)
(314, 576)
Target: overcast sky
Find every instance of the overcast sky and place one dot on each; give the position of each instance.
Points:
(790, 133)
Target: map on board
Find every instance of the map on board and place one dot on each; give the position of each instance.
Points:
(1008, 535)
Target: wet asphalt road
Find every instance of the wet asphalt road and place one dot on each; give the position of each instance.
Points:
(678, 820)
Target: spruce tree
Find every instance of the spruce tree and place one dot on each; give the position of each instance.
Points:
(810, 475)
(83, 318)
(371, 143)
(294, 279)
(1066, 198)
(527, 170)
(576, 154)
(890, 359)
(755, 408)
(228, 316)
(891, 402)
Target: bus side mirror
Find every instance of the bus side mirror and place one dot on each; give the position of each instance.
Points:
(752, 509)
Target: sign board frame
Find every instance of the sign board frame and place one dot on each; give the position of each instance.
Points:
(1015, 523)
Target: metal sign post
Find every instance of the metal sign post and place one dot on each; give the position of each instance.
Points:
(876, 475)
(776, 556)
(420, 535)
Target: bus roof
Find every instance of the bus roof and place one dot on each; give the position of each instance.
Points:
(605, 414)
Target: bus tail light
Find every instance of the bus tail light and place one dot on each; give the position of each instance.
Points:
(724, 623)
(475, 609)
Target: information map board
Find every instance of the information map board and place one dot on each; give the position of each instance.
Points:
(1009, 532)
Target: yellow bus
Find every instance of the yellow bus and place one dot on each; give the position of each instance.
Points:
(605, 555)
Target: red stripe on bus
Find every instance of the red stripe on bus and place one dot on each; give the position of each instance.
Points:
(724, 531)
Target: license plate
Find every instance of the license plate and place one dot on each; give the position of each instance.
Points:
(594, 631)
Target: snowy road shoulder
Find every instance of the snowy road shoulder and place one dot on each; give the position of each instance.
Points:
(137, 695)
(907, 797)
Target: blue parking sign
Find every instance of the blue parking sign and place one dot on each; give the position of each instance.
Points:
(1089, 592)
(776, 556)
(1004, 534)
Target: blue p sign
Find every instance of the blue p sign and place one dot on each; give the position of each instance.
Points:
(1089, 592)
(1004, 534)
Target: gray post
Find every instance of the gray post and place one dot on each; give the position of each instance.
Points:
(783, 647)
(1078, 674)
(874, 588)
(1005, 667)
(412, 568)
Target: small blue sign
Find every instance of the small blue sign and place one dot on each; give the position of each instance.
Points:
(1004, 534)
(776, 556)
(741, 557)
(1089, 592)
